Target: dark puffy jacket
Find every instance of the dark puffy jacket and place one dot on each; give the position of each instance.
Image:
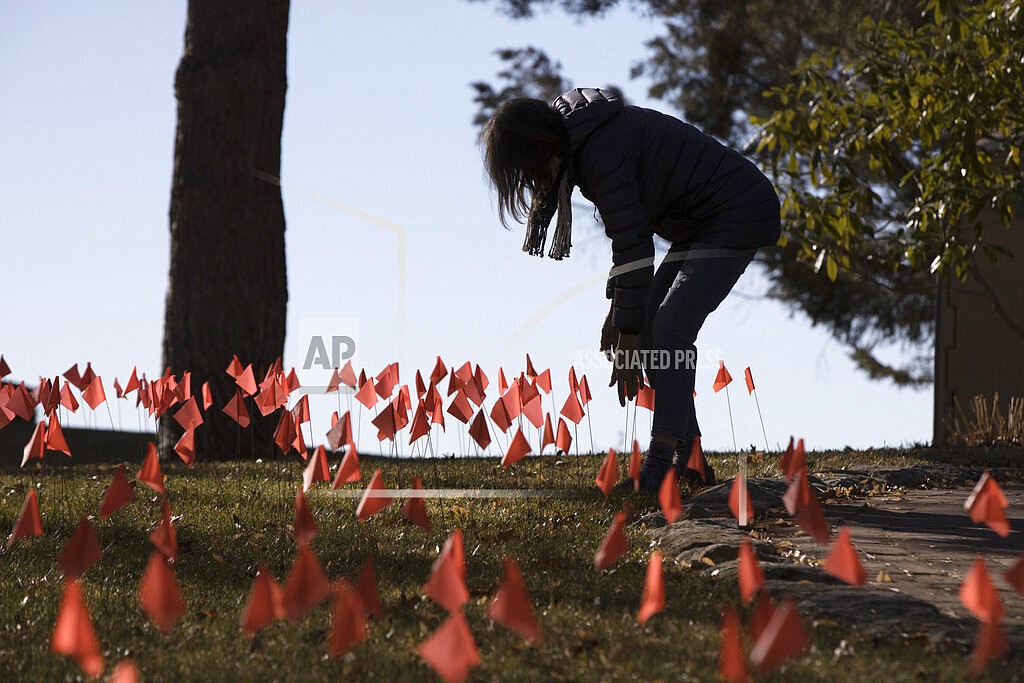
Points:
(649, 173)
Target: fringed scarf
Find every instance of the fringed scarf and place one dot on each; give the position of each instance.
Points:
(543, 208)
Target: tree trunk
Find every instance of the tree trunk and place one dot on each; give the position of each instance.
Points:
(227, 292)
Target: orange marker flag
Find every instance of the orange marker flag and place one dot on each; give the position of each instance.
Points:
(563, 439)
(511, 605)
(81, 551)
(304, 524)
(126, 671)
(614, 545)
(367, 395)
(608, 475)
(340, 433)
(446, 585)
(234, 368)
(366, 585)
(544, 381)
(732, 663)
(500, 416)
(989, 644)
(301, 410)
(585, 396)
(723, 378)
(571, 409)
(317, 469)
(163, 536)
(749, 379)
(29, 523)
(695, 462)
(987, 504)
(151, 475)
(479, 432)
(744, 513)
(420, 423)
(4, 368)
(842, 561)
(236, 410)
(574, 384)
(263, 606)
(207, 395)
(415, 509)
(246, 381)
(74, 634)
(460, 408)
(516, 450)
(94, 394)
(1015, 575)
(348, 620)
(534, 411)
(798, 494)
(35, 447)
(375, 498)
(751, 578)
(794, 460)
(668, 497)
(386, 422)
(652, 600)
(305, 586)
(188, 415)
(979, 595)
(186, 447)
(783, 638)
(54, 439)
(634, 465)
(159, 593)
(347, 375)
(812, 520)
(549, 433)
(450, 650)
(119, 493)
(348, 471)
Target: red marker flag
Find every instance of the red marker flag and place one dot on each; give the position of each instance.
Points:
(163, 536)
(668, 497)
(783, 638)
(317, 469)
(613, 546)
(511, 605)
(54, 439)
(348, 621)
(305, 586)
(81, 552)
(151, 475)
(634, 465)
(159, 593)
(366, 585)
(978, 594)
(450, 650)
(263, 606)
(987, 504)
(516, 450)
(304, 525)
(652, 600)
(348, 471)
(446, 585)
(842, 562)
(608, 475)
(732, 663)
(29, 523)
(415, 509)
(119, 493)
(723, 378)
(374, 498)
(74, 634)
(751, 578)
(750, 380)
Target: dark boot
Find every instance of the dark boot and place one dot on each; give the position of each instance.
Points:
(655, 466)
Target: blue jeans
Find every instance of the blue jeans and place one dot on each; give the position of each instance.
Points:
(689, 284)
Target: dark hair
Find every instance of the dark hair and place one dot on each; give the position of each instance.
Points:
(521, 139)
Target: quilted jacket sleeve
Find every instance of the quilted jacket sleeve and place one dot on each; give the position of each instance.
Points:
(610, 174)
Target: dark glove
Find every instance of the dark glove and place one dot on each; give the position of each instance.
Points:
(627, 370)
(609, 335)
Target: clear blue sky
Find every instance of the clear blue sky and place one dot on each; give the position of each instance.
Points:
(378, 118)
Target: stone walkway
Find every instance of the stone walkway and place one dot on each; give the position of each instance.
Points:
(915, 541)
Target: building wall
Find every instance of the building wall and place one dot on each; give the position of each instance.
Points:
(976, 351)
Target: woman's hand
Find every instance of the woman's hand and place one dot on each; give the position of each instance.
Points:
(627, 370)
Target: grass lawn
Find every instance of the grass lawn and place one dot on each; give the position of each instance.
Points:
(232, 517)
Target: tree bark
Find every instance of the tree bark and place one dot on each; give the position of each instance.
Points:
(227, 291)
